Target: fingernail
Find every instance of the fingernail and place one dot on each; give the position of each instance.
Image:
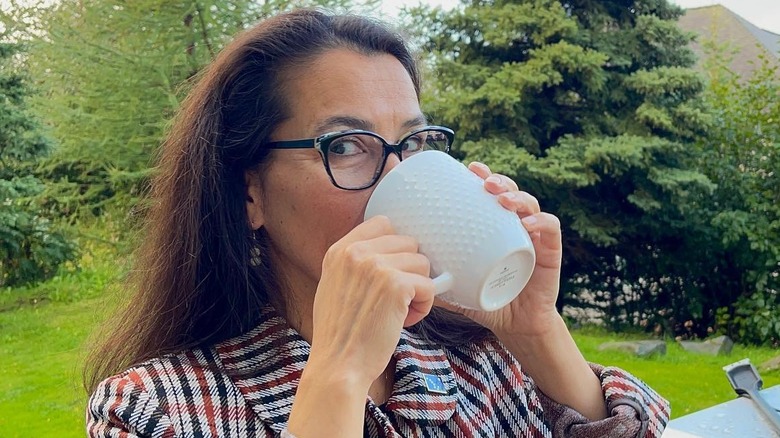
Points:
(481, 165)
(529, 220)
(493, 179)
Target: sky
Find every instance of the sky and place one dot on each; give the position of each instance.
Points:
(763, 13)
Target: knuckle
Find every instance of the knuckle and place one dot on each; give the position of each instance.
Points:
(425, 263)
(383, 224)
(354, 252)
(370, 264)
(421, 264)
(411, 243)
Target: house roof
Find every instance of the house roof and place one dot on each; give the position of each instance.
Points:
(741, 38)
(770, 40)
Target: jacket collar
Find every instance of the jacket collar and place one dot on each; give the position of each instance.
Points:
(267, 362)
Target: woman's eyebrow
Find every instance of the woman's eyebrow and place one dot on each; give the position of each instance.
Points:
(350, 122)
(416, 122)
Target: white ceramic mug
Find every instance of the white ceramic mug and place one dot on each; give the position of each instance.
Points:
(481, 255)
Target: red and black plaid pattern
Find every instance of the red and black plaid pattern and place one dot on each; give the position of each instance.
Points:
(244, 387)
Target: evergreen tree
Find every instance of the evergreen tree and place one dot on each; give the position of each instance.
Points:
(111, 74)
(591, 106)
(30, 249)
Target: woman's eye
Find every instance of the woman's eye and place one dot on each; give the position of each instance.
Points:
(347, 146)
(414, 144)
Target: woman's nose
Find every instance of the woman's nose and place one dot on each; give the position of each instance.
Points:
(392, 161)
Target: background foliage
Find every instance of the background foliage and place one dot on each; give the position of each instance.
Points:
(30, 247)
(112, 74)
(741, 154)
(593, 107)
(665, 179)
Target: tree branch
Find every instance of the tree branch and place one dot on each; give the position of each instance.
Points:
(203, 30)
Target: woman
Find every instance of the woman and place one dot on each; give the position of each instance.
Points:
(265, 305)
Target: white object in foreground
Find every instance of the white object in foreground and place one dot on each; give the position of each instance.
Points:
(736, 418)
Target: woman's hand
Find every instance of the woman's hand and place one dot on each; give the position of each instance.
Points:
(530, 326)
(533, 311)
(374, 282)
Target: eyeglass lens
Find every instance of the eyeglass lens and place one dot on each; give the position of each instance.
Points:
(355, 160)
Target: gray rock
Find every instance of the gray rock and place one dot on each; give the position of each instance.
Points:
(771, 365)
(721, 345)
(638, 348)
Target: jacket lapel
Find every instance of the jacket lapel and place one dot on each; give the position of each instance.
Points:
(425, 389)
(266, 365)
(267, 362)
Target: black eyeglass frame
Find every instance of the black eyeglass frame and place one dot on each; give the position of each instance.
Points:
(322, 143)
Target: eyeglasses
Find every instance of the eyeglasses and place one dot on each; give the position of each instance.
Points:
(355, 159)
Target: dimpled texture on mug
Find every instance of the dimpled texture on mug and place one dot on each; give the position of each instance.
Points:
(450, 241)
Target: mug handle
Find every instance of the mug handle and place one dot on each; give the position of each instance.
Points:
(443, 283)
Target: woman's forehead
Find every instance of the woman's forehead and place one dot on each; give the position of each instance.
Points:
(344, 85)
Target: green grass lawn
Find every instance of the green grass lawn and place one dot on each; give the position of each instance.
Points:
(43, 335)
(691, 382)
(41, 347)
(42, 343)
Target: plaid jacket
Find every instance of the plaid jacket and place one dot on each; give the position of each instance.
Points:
(244, 387)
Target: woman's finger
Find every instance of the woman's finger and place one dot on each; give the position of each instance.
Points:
(547, 228)
(372, 227)
(421, 304)
(522, 203)
(414, 263)
(480, 169)
(386, 244)
(495, 183)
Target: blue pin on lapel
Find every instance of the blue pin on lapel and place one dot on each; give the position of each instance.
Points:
(434, 384)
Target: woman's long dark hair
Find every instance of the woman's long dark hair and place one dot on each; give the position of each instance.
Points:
(193, 283)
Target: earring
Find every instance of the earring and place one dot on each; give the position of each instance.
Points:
(255, 252)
